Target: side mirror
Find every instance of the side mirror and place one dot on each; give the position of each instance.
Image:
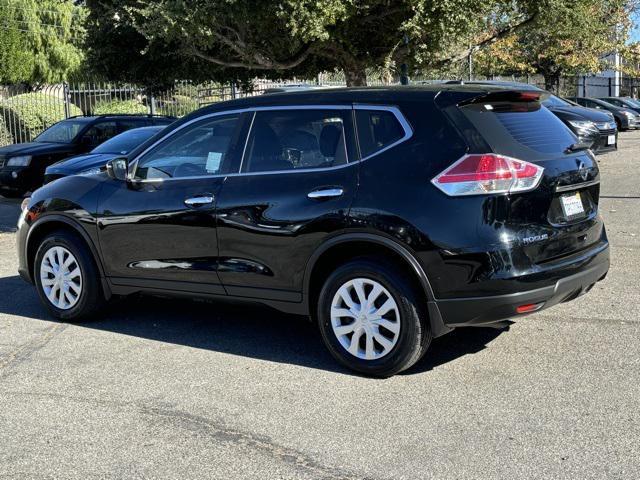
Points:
(118, 169)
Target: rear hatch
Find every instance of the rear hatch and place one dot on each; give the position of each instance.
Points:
(560, 216)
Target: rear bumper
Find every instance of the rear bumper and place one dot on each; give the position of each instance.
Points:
(490, 309)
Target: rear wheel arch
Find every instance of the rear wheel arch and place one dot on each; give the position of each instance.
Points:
(345, 247)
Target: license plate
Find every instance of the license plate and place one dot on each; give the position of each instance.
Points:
(611, 139)
(572, 205)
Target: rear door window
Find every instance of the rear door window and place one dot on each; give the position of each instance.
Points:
(294, 139)
(520, 129)
(99, 133)
(128, 124)
(377, 130)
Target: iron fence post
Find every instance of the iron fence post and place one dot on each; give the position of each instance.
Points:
(234, 93)
(67, 99)
(152, 105)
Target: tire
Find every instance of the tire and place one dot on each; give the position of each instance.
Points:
(89, 299)
(397, 351)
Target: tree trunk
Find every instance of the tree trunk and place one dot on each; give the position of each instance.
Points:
(355, 75)
(551, 81)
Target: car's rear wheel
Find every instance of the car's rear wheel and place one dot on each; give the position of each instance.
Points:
(371, 318)
(67, 278)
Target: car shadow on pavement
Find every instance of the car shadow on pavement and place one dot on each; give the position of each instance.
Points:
(239, 329)
(9, 213)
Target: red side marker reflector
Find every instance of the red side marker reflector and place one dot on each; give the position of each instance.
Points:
(529, 307)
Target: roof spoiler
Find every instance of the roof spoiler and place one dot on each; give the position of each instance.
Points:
(506, 96)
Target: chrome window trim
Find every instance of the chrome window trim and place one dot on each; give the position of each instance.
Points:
(408, 133)
(246, 142)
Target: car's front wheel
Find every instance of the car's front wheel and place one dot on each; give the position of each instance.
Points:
(67, 278)
(371, 318)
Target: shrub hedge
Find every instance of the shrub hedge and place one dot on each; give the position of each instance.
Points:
(28, 114)
(5, 134)
(120, 106)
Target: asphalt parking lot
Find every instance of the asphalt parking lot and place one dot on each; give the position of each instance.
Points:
(179, 389)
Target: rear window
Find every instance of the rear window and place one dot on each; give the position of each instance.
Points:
(511, 128)
(377, 129)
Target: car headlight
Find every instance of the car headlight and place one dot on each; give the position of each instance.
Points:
(91, 171)
(583, 124)
(21, 161)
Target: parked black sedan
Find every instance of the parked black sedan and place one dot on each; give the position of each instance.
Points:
(624, 102)
(95, 161)
(626, 118)
(22, 165)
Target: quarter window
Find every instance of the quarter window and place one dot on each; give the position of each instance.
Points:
(198, 150)
(295, 139)
(377, 129)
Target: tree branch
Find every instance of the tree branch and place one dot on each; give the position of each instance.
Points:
(261, 62)
(492, 39)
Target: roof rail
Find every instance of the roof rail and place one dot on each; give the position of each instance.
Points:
(104, 115)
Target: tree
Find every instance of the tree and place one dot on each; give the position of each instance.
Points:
(45, 38)
(16, 64)
(569, 37)
(227, 38)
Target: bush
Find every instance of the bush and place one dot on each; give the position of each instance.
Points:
(131, 106)
(5, 134)
(28, 114)
(177, 106)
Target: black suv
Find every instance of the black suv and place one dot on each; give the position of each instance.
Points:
(390, 215)
(22, 165)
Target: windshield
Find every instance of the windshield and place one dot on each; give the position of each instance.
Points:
(61, 132)
(633, 102)
(127, 141)
(554, 101)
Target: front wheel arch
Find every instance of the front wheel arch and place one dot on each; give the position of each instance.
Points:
(44, 226)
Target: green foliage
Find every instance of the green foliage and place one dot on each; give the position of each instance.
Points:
(240, 39)
(568, 37)
(33, 112)
(177, 105)
(16, 64)
(5, 135)
(44, 37)
(131, 106)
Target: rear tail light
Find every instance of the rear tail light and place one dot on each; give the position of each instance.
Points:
(486, 173)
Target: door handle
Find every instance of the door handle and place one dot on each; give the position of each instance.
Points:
(199, 200)
(325, 193)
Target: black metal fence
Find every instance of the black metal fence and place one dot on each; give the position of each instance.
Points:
(25, 112)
